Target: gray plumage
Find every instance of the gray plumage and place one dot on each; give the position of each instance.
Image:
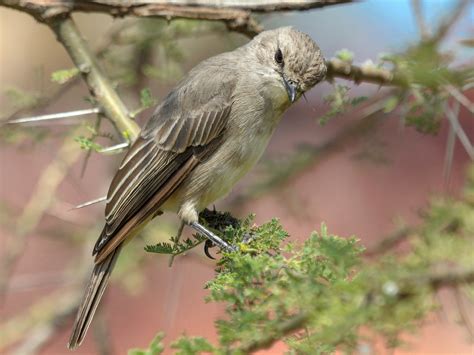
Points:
(208, 132)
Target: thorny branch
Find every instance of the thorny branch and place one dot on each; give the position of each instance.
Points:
(40, 201)
(236, 14)
(99, 85)
(435, 280)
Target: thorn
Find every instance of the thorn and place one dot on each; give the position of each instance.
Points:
(460, 97)
(306, 100)
(450, 143)
(304, 97)
(89, 203)
(54, 116)
(114, 148)
(463, 138)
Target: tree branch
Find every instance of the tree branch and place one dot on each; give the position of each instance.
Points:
(448, 277)
(287, 327)
(99, 85)
(436, 280)
(235, 13)
(447, 22)
(364, 73)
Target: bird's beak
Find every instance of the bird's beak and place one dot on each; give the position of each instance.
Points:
(291, 89)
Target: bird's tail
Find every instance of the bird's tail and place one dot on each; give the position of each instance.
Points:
(95, 290)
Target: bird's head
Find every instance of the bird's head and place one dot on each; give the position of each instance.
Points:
(292, 58)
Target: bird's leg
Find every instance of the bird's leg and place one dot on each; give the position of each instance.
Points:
(212, 237)
(178, 236)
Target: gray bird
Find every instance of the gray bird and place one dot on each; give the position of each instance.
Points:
(207, 133)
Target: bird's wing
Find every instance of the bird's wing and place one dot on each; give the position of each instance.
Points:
(183, 130)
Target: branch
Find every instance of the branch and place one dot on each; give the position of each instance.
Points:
(448, 21)
(99, 85)
(436, 280)
(287, 327)
(418, 13)
(235, 13)
(447, 278)
(387, 243)
(364, 73)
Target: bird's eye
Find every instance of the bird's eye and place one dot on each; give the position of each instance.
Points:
(279, 56)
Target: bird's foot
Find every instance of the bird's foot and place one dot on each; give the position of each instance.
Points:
(214, 239)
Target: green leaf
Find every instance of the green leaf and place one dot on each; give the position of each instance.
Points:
(146, 99)
(88, 144)
(62, 76)
(156, 347)
(390, 104)
(345, 55)
(192, 346)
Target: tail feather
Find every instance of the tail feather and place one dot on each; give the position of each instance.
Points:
(95, 290)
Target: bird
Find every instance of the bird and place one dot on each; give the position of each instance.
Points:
(206, 134)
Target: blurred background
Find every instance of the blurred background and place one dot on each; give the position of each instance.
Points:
(360, 179)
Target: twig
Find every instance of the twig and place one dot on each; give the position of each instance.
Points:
(41, 200)
(418, 12)
(446, 24)
(287, 327)
(450, 145)
(436, 280)
(364, 73)
(45, 100)
(463, 312)
(447, 278)
(42, 333)
(99, 85)
(459, 96)
(39, 322)
(390, 241)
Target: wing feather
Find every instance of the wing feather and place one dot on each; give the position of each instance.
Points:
(180, 132)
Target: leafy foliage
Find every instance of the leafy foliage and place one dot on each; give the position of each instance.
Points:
(155, 348)
(319, 295)
(176, 246)
(339, 102)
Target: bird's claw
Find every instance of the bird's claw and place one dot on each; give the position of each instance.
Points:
(207, 245)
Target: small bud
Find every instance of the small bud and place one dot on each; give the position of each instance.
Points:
(390, 288)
